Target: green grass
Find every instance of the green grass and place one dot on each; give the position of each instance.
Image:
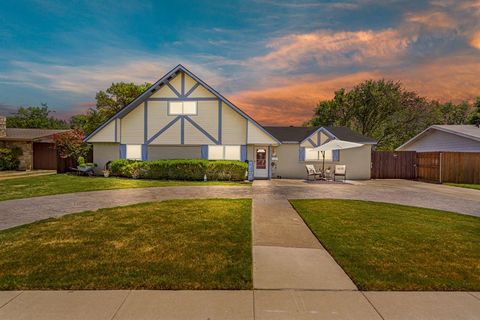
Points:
(465, 185)
(181, 244)
(64, 183)
(392, 247)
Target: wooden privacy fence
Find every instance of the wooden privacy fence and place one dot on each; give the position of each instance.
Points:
(393, 165)
(455, 167)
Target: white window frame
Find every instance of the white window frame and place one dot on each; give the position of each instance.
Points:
(183, 113)
(133, 149)
(224, 152)
(319, 157)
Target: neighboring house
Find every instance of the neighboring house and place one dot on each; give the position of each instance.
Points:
(38, 149)
(181, 117)
(454, 138)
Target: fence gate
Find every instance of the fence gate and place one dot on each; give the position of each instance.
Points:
(394, 165)
(428, 164)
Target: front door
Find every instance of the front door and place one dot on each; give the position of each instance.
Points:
(261, 162)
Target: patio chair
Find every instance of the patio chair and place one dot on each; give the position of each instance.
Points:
(340, 170)
(311, 172)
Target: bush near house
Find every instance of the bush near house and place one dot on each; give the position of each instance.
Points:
(9, 158)
(221, 170)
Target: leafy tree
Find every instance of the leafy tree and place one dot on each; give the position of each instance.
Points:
(117, 97)
(35, 117)
(450, 113)
(108, 103)
(474, 117)
(377, 108)
(70, 144)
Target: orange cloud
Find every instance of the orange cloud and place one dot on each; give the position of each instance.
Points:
(432, 20)
(334, 48)
(447, 79)
(475, 40)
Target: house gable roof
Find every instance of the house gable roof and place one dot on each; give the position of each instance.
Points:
(468, 131)
(299, 134)
(21, 134)
(165, 81)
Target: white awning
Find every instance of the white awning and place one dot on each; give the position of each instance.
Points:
(336, 144)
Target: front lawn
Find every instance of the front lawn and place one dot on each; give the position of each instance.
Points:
(177, 244)
(465, 185)
(392, 247)
(64, 183)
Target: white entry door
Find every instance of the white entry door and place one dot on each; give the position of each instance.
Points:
(261, 162)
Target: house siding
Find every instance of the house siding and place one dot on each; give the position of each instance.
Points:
(442, 141)
(288, 165)
(104, 152)
(174, 152)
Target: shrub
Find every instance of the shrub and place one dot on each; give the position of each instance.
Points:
(9, 158)
(180, 169)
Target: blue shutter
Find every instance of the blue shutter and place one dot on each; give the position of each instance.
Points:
(204, 151)
(243, 152)
(301, 154)
(336, 155)
(123, 151)
(144, 152)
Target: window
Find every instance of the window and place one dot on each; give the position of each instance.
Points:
(311, 155)
(134, 151)
(224, 153)
(182, 108)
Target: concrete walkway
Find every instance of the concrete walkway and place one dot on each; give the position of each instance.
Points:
(241, 305)
(442, 197)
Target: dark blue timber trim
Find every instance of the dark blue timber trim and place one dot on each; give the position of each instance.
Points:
(219, 121)
(164, 81)
(182, 130)
(147, 93)
(171, 123)
(144, 152)
(183, 99)
(317, 132)
(312, 142)
(122, 151)
(173, 89)
(196, 125)
(183, 84)
(204, 151)
(195, 86)
(145, 122)
(243, 152)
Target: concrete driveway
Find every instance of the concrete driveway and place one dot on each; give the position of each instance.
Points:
(461, 200)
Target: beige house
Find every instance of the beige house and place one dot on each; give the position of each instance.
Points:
(181, 117)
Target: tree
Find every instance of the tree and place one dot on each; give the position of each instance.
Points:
(108, 103)
(377, 108)
(117, 97)
(35, 117)
(450, 113)
(474, 117)
(69, 144)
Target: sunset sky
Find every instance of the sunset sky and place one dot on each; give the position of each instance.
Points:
(273, 59)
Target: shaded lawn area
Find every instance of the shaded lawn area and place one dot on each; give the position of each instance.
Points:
(465, 185)
(176, 244)
(393, 247)
(64, 183)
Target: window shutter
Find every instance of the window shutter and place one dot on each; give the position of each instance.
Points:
(204, 151)
(144, 152)
(336, 155)
(123, 151)
(301, 154)
(243, 152)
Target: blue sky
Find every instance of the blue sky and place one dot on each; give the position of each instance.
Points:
(274, 59)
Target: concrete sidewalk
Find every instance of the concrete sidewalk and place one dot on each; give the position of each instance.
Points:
(286, 254)
(233, 305)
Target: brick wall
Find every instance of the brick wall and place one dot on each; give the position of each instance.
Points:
(3, 126)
